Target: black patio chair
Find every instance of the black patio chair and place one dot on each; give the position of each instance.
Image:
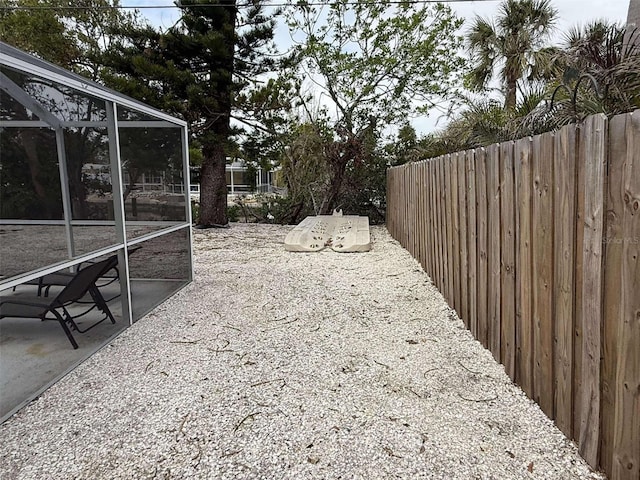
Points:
(83, 282)
(61, 279)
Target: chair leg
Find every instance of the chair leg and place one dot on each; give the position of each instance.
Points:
(64, 326)
(101, 303)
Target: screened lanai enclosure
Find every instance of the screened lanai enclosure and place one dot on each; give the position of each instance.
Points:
(84, 250)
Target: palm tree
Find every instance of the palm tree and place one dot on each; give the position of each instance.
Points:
(512, 43)
(610, 55)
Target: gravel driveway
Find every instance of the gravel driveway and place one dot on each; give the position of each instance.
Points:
(279, 365)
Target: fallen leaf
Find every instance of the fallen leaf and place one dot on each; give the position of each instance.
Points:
(313, 460)
(530, 467)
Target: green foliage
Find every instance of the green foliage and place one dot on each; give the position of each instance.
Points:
(404, 148)
(379, 59)
(206, 69)
(29, 161)
(511, 44)
(598, 65)
(610, 54)
(69, 37)
(377, 63)
(277, 209)
(233, 213)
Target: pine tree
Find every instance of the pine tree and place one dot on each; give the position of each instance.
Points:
(198, 70)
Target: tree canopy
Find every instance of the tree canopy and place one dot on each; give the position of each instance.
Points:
(379, 59)
(205, 69)
(510, 44)
(370, 65)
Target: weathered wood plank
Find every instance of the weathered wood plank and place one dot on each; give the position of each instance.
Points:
(577, 334)
(449, 230)
(524, 331)
(564, 265)
(626, 446)
(443, 227)
(542, 251)
(442, 246)
(424, 224)
(425, 218)
(482, 269)
(507, 260)
(594, 156)
(418, 227)
(409, 207)
(432, 219)
(613, 287)
(472, 242)
(434, 223)
(455, 224)
(413, 207)
(493, 251)
(464, 260)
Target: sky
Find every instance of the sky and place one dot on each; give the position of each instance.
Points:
(570, 14)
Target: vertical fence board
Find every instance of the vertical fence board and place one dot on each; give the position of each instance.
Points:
(442, 229)
(577, 304)
(613, 285)
(416, 231)
(448, 228)
(593, 155)
(428, 213)
(455, 223)
(438, 219)
(626, 460)
(472, 242)
(434, 223)
(507, 260)
(464, 260)
(409, 209)
(403, 206)
(564, 264)
(429, 220)
(424, 224)
(482, 271)
(542, 243)
(413, 207)
(391, 189)
(524, 334)
(432, 218)
(493, 248)
(419, 226)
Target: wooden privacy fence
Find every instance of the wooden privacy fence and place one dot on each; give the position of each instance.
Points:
(536, 244)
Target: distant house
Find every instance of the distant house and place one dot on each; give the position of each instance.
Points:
(241, 179)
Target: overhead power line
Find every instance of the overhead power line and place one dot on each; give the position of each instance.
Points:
(320, 3)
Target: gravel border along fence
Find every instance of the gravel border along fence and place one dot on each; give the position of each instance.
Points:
(279, 365)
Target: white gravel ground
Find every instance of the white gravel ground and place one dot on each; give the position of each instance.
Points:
(275, 365)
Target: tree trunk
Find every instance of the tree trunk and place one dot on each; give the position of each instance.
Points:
(213, 187)
(337, 178)
(510, 97)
